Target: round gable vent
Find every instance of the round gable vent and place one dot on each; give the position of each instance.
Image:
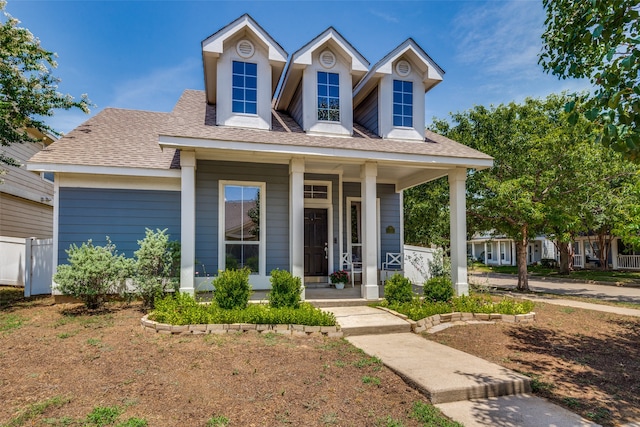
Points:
(403, 68)
(245, 48)
(327, 59)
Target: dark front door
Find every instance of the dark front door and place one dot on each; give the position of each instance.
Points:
(316, 261)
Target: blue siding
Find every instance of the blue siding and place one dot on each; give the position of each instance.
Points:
(123, 215)
(295, 107)
(389, 216)
(367, 112)
(208, 175)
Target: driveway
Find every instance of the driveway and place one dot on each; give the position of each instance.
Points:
(561, 287)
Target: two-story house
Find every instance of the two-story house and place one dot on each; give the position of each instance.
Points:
(281, 162)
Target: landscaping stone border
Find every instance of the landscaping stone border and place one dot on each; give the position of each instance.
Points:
(437, 319)
(219, 328)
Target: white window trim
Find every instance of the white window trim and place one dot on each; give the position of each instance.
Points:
(328, 205)
(348, 228)
(261, 279)
(339, 98)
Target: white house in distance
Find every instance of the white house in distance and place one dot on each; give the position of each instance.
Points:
(247, 176)
(500, 250)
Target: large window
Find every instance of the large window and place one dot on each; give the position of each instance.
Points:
(242, 219)
(245, 87)
(328, 97)
(402, 103)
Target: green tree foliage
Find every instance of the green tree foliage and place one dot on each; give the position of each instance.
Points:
(93, 272)
(599, 40)
(28, 90)
(427, 201)
(536, 161)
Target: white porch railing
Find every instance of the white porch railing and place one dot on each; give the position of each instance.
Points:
(578, 261)
(629, 262)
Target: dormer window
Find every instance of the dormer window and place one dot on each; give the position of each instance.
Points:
(328, 96)
(402, 103)
(245, 87)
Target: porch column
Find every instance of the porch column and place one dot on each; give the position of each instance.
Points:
(473, 250)
(486, 256)
(458, 231)
(187, 220)
(368, 174)
(514, 261)
(296, 219)
(614, 253)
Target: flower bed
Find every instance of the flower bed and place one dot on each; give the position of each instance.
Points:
(224, 328)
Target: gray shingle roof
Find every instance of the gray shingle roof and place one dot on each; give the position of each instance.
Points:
(113, 138)
(129, 138)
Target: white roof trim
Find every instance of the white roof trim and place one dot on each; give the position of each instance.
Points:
(304, 55)
(103, 170)
(214, 43)
(386, 157)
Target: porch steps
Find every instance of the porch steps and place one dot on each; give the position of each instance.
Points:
(359, 320)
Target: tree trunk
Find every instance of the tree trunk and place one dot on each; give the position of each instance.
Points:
(566, 257)
(604, 246)
(521, 252)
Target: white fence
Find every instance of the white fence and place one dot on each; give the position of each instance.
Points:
(27, 263)
(416, 263)
(578, 261)
(629, 262)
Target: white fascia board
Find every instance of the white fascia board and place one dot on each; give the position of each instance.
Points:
(103, 170)
(215, 43)
(304, 55)
(341, 153)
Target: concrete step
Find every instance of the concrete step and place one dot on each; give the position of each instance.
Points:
(512, 411)
(440, 372)
(364, 320)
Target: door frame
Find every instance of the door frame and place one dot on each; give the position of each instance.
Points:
(348, 227)
(328, 205)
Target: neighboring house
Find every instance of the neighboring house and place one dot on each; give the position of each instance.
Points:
(244, 175)
(26, 210)
(586, 254)
(501, 250)
(26, 197)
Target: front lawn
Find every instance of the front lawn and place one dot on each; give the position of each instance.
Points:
(536, 270)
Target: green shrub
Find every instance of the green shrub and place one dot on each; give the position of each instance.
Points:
(155, 263)
(232, 289)
(182, 309)
(398, 289)
(92, 273)
(438, 289)
(285, 289)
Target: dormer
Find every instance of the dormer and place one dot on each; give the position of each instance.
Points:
(389, 100)
(318, 85)
(242, 67)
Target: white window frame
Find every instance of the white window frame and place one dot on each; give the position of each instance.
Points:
(348, 226)
(328, 205)
(261, 279)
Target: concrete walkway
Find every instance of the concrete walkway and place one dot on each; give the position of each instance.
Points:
(466, 388)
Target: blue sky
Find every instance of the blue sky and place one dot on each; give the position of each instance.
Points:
(143, 54)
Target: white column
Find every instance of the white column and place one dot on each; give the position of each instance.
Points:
(368, 174)
(458, 212)
(187, 220)
(513, 253)
(296, 219)
(473, 250)
(486, 255)
(614, 253)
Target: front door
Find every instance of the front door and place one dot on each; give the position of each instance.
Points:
(316, 250)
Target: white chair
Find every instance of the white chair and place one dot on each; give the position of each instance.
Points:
(393, 264)
(353, 267)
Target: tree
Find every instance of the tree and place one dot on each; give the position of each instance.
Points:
(599, 40)
(426, 214)
(536, 161)
(28, 90)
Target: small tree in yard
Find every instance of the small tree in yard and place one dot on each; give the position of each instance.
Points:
(285, 289)
(155, 263)
(93, 272)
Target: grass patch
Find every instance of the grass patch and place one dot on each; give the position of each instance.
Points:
(429, 415)
(182, 309)
(595, 275)
(419, 309)
(371, 380)
(218, 421)
(537, 385)
(36, 409)
(9, 322)
(103, 416)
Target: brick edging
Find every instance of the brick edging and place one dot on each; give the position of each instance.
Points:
(431, 321)
(220, 328)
